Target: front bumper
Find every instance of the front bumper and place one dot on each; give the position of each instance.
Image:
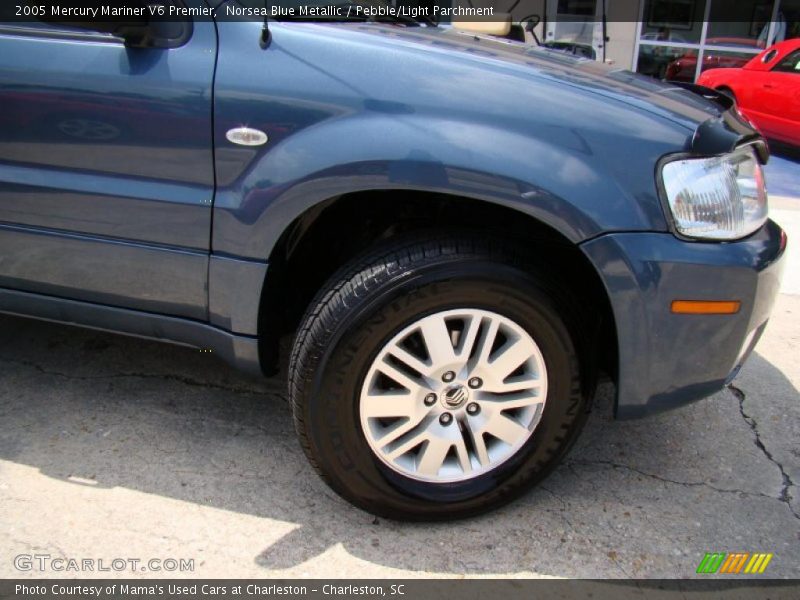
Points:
(665, 359)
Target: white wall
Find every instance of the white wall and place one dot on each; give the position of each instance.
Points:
(622, 43)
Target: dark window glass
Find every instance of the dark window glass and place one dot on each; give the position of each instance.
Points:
(677, 21)
(742, 24)
(584, 8)
(768, 56)
(787, 23)
(790, 64)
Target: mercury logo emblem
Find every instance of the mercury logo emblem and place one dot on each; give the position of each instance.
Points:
(246, 136)
(455, 396)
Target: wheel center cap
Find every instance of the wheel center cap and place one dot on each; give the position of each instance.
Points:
(455, 396)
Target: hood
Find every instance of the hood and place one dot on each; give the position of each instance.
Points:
(478, 78)
(681, 106)
(712, 122)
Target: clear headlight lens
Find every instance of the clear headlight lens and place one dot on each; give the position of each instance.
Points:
(720, 198)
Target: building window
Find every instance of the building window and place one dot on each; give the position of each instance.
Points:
(740, 24)
(667, 62)
(787, 21)
(673, 21)
(679, 39)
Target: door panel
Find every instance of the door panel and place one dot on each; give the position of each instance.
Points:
(777, 99)
(103, 271)
(782, 87)
(784, 95)
(106, 167)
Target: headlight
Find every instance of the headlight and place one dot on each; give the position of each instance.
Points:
(720, 198)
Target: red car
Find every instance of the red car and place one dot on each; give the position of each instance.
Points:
(683, 68)
(767, 90)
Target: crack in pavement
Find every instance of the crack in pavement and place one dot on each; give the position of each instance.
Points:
(616, 465)
(168, 377)
(785, 496)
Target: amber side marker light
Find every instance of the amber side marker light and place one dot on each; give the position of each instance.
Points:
(706, 307)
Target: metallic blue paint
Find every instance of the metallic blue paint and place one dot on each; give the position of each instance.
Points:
(239, 350)
(103, 271)
(112, 144)
(110, 158)
(354, 107)
(668, 359)
(234, 293)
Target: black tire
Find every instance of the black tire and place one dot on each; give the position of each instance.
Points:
(728, 92)
(366, 303)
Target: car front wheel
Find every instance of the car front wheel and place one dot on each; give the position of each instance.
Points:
(436, 379)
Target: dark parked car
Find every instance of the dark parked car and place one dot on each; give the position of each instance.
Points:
(462, 234)
(684, 68)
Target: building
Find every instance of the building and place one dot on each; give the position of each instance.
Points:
(673, 39)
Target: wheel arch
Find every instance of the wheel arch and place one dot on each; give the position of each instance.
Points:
(559, 176)
(306, 255)
(726, 88)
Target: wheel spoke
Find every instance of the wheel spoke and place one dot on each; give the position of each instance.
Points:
(486, 342)
(437, 340)
(395, 432)
(506, 429)
(407, 445)
(386, 405)
(510, 357)
(521, 400)
(399, 377)
(479, 444)
(433, 456)
(463, 456)
(408, 359)
(472, 325)
(523, 383)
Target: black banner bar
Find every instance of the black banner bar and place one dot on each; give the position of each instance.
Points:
(421, 11)
(400, 589)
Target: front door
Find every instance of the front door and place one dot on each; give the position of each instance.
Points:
(106, 166)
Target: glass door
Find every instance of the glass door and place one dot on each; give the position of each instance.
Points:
(576, 26)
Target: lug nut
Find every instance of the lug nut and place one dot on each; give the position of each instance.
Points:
(448, 377)
(446, 419)
(473, 408)
(430, 399)
(475, 383)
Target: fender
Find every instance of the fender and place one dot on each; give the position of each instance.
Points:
(369, 152)
(335, 126)
(563, 185)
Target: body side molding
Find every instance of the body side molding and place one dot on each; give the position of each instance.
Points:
(238, 350)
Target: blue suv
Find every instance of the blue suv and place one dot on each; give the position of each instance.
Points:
(462, 234)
